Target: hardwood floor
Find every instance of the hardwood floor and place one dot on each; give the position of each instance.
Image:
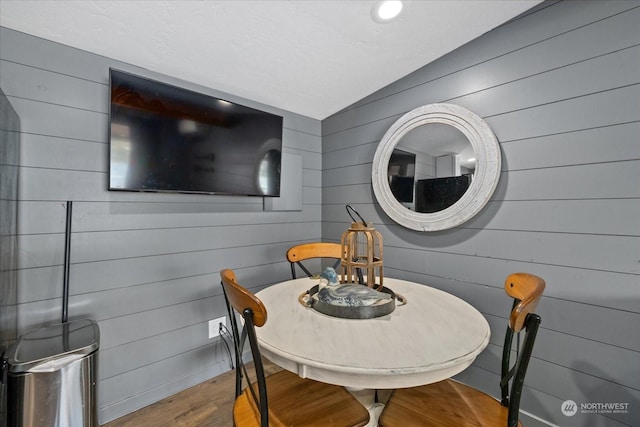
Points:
(208, 404)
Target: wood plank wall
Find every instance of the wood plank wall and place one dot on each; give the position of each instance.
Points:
(144, 265)
(9, 158)
(560, 87)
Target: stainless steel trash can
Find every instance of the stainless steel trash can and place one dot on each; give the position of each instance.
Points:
(52, 375)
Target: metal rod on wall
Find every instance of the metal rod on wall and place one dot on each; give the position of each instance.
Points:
(67, 261)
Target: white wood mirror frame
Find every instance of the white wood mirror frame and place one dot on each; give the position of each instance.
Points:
(488, 158)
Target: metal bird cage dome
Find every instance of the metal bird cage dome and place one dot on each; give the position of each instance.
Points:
(361, 254)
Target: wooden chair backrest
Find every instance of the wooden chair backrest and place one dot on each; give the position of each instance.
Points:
(241, 299)
(314, 250)
(254, 313)
(306, 251)
(527, 289)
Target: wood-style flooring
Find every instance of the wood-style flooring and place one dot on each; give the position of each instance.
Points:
(208, 404)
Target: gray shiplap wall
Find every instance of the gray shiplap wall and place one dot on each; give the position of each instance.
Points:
(144, 265)
(560, 87)
(9, 160)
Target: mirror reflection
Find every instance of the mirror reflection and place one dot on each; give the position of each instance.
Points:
(431, 167)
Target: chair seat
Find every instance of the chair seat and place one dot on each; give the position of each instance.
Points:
(443, 404)
(294, 401)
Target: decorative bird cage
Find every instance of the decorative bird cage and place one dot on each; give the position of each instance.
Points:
(361, 254)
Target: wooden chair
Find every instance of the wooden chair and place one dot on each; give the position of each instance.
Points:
(450, 403)
(281, 399)
(305, 251)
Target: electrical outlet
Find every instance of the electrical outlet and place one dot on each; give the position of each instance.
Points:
(215, 325)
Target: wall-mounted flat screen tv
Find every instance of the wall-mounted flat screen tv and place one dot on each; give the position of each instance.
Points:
(168, 139)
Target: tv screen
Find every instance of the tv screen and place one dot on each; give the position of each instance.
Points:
(169, 139)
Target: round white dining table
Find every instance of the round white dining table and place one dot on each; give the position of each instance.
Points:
(434, 336)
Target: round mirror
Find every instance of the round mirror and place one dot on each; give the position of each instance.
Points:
(436, 167)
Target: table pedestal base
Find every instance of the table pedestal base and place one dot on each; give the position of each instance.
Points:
(367, 398)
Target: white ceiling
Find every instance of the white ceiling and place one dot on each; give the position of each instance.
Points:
(311, 57)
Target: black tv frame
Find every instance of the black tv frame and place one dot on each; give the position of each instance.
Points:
(228, 167)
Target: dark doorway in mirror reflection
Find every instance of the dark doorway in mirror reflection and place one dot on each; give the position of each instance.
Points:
(436, 194)
(402, 166)
(402, 188)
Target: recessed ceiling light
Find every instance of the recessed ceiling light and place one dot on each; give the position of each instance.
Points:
(386, 11)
